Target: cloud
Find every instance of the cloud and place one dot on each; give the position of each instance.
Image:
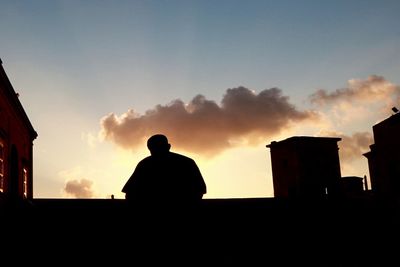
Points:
(352, 147)
(204, 127)
(79, 188)
(90, 139)
(372, 90)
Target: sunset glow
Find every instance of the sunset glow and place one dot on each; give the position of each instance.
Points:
(221, 79)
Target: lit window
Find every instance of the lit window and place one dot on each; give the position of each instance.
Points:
(1, 166)
(25, 182)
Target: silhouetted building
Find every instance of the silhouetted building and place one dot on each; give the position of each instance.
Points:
(384, 158)
(305, 167)
(352, 186)
(16, 144)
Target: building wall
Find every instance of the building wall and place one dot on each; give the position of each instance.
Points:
(352, 186)
(384, 158)
(285, 171)
(305, 167)
(16, 137)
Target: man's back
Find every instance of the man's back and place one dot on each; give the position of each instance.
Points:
(168, 177)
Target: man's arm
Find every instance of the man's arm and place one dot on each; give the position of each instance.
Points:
(131, 186)
(199, 183)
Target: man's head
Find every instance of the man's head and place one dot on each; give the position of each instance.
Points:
(158, 144)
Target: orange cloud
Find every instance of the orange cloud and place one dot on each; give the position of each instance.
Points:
(374, 89)
(204, 127)
(79, 188)
(352, 147)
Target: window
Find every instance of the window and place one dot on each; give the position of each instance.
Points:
(25, 182)
(2, 156)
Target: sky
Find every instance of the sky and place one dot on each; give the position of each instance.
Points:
(222, 79)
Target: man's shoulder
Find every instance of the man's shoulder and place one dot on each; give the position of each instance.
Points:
(180, 156)
(144, 161)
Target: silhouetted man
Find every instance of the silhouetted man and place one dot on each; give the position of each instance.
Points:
(165, 177)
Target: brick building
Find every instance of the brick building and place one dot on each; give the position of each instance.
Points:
(16, 144)
(305, 167)
(384, 158)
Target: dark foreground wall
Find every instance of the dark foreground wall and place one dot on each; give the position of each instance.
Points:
(230, 232)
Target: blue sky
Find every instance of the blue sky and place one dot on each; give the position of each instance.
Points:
(74, 62)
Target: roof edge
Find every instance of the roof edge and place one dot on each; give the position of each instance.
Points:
(13, 97)
(294, 138)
